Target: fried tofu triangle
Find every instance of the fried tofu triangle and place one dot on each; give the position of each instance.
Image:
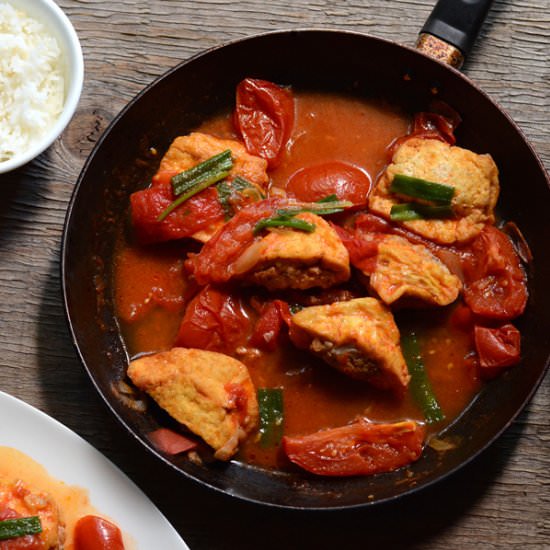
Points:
(410, 273)
(210, 393)
(474, 177)
(358, 337)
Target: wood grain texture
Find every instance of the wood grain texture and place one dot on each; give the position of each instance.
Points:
(500, 500)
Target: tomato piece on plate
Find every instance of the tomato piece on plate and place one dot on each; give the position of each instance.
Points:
(361, 448)
(170, 442)
(264, 117)
(196, 214)
(275, 315)
(495, 284)
(214, 320)
(497, 347)
(316, 182)
(95, 533)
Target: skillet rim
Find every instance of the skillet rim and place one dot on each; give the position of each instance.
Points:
(65, 260)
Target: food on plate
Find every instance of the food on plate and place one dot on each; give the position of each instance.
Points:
(474, 178)
(32, 91)
(210, 393)
(38, 512)
(358, 337)
(332, 306)
(410, 272)
(28, 517)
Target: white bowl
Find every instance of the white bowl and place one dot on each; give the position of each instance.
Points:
(57, 23)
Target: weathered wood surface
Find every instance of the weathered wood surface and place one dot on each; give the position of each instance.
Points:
(501, 500)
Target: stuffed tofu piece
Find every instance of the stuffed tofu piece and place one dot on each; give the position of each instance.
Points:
(358, 337)
(276, 257)
(210, 393)
(286, 258)
(20, 500)
(410, 274)
(474, 178)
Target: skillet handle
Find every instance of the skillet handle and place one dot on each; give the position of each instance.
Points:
(451, 29)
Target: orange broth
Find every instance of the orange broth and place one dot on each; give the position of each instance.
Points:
(327, 127)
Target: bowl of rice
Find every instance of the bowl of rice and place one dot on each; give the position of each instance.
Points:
(41, 77)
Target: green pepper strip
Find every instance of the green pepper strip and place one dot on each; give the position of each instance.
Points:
(182, 182)
(270, 404)
(420, 386)
(414, 211)
(217, 168)
(284, 221)
(422, 189)
(19, 527)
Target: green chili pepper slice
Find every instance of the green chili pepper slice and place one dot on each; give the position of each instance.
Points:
(19, 527)
(420, 386)
(419, 188)
(270, 404)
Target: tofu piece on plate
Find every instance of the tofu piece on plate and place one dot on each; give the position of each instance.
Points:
(286, 258)
(474, 177)
(358, 337)
(411, 274)
(209, 392)
(19, 500)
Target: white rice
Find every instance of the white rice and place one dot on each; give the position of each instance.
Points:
(31, 81)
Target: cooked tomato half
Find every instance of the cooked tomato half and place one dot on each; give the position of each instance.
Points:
(95, 533)
(214, 320)
(497, 347)
(264, 117)
(361, 448)
(330, 178)
(196, 214)
(495, 284)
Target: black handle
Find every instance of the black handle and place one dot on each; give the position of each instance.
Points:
(457, 22)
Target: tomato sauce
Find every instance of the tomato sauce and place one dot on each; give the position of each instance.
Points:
(326, 128)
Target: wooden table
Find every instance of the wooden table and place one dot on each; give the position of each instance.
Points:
(502, 500)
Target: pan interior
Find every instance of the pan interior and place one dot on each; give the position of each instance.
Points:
(313, 60)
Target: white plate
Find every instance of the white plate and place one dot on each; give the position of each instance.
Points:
(111, 492)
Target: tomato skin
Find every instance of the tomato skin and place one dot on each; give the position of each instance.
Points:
(264, 116)
(216, 261)
(361, 448)
(430, 125)
(362, 248)
(197, 213)
(275, 315)
(214, 320)
(497, 347)
(495, 284)
(95, 533)
(316, 182)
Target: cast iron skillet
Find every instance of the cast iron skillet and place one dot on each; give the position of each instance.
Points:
(322, 60)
